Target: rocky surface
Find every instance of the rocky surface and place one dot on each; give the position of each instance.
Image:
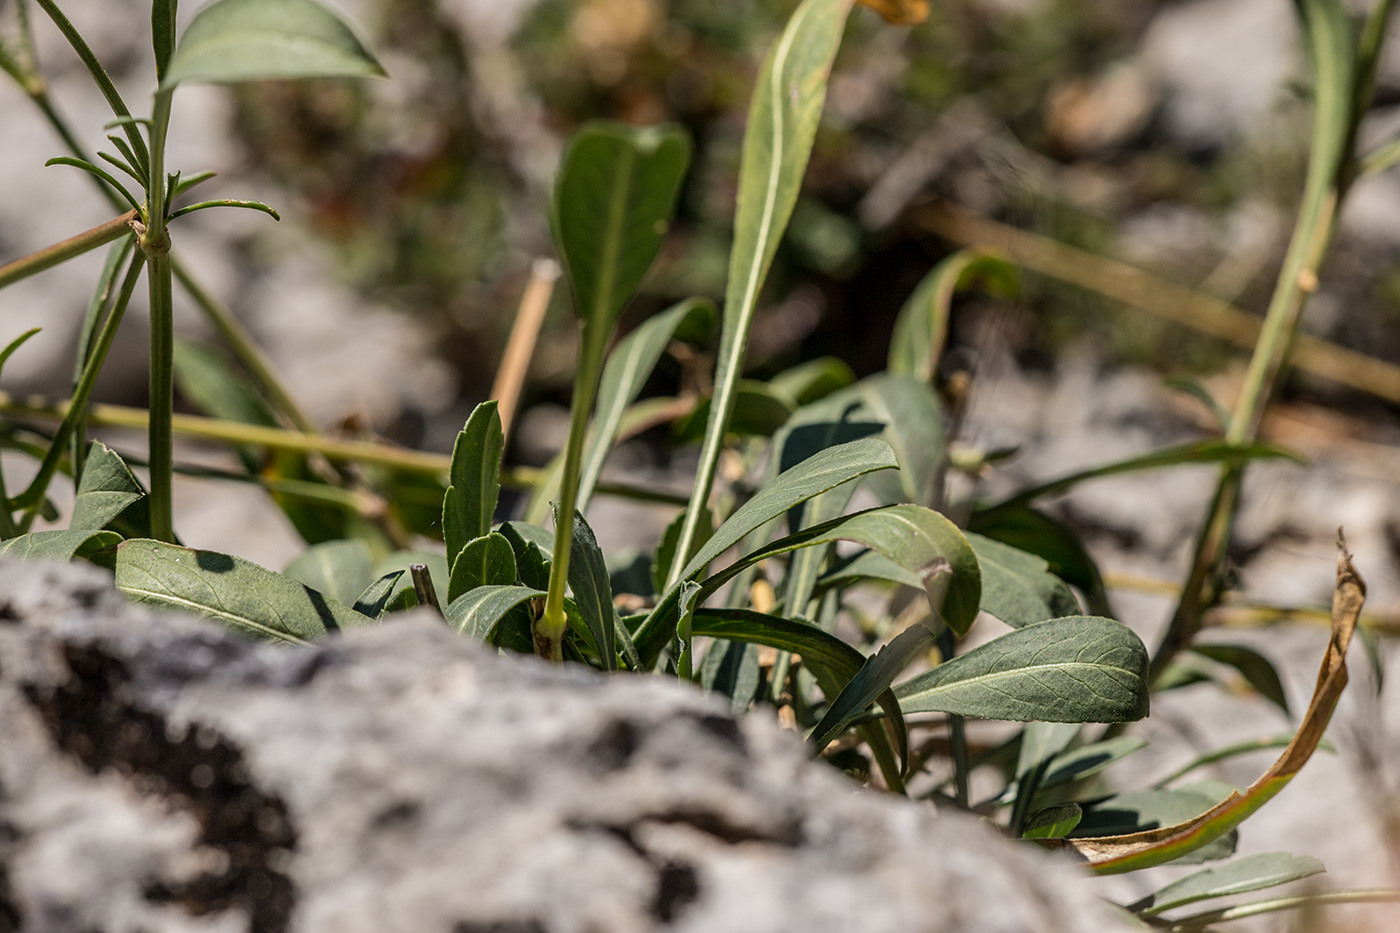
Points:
(160, 774)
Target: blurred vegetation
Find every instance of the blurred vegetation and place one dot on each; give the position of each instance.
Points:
(432, 186)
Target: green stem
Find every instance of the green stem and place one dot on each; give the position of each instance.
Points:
(155, 243)
(550, 626)
(32, 498)
(50, 256)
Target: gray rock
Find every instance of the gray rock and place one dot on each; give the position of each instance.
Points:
(161, 774)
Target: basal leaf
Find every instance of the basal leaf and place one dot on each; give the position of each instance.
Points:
(813, 380)
(531, 560)
(588, 578)
(666, 547)
(404, 596)
(374, 601)
(340, 569)
(1036, 533)
(922, 326)
(613, 201)
(816, 474)
(1251, 873)
(478, 612)
(241, 594)
(106, 490)
(1018, 588)
(758, 412)
(485, 561)
(1256, 669)
(873, 679)
(470, 503)
(254, 40)
(1081, 669)
(58, 545)
(1129, 851)
(1137, 812)
(1053, 822)
(1087, 760)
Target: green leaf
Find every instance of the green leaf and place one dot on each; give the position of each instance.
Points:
(616, 190)
(478, 612)
(232, 590)
(485, 561)
(254, 40)
(374, 601)
(588, 578)
(1037, 533)
(1139, 811)
(1018, 588)
(1041, 742)
(782, 125)
(758, 412)
(873, 679)
(1236, 749)
(531, 564)
(627, 370)
(1078, 763)
(813, 380)
(1251, 873)
(1053, 822)
(341, 569)
(1081, 669)
(15, 344)
(921, 329)
(207, 379)
(1256, 669)
(58, 545)
(470, 503)
(913, 420)
(731, 668)
(1198, 452)
(106, 490)
(833, 662)
(815, 475)
(162, 33)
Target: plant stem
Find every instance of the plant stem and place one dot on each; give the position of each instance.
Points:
(529, 318)
(50, 256)
(550, 626)
(155, 243)
(32, 499)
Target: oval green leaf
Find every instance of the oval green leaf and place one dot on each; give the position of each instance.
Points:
(255, 40)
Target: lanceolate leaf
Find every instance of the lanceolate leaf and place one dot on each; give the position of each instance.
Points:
(1120, 853)
(1148, 810)
(1036, 533)
(588, 578)
(1079, 763)
(616, 190)
(232, 590)
(106, 490)
(1081, 669)
(1054, 822)
(1018, 588)
(874, 678)
(478, 612)
(816, 474)
(374, 601)
(253, 40)
(485, 561)
(922, 325)
(783, 116)
(913, 421)
(627, 370)
(1256, 669)
(58, 545)
(1251, 873)
(470, 502)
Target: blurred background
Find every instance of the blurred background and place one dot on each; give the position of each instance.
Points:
(1170, 136)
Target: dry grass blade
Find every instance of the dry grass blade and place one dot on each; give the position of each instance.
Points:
(1155, 295)
(515, 362)
(1114, 854)
(899, 12)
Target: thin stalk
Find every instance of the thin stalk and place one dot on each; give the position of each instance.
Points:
(61, 252)
(1334, 109)
(99, 74)
(1274, 905)
(155, 243)
(550, 626)
(957, 730)
(32, 498)
(529, 318)
(101, 300)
